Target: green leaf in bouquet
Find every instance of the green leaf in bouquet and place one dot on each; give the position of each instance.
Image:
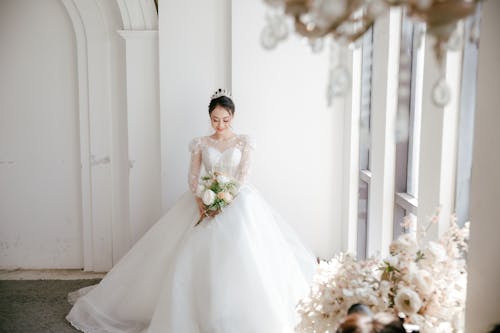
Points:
(216, 188)
(420, 256)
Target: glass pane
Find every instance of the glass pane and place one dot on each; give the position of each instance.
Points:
(466, 122)
(417, 76)
(408, 117)
(365, 110)
(362, 219)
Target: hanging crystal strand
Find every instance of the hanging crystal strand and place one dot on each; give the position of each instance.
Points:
(339, 78)
(441, 92)
(402, 125)
(316, 44)
(475, 27)
(275, 30)
(366, 45)
(455, 42)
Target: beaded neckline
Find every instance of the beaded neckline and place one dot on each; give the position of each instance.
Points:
(223, 140)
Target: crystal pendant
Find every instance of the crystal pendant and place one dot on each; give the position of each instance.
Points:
(275, 31)
(340, 80)
(441, 93)
(275, 3)
(278, 26)
(267, 38)
(316, 45)
(455, 41)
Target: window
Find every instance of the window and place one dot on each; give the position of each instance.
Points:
(364, 144)
(408, 124)
(466, 120)
(429, 164)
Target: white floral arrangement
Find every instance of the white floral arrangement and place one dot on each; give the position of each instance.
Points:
(423, 281)
(216, 191)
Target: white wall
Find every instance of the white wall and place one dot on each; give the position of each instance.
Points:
(80, 166)
(194, 61)
(280, 97)
(483, 293)
(280, 101)
(40, 224)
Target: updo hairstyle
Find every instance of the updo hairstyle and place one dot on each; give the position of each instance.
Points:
(222, 101)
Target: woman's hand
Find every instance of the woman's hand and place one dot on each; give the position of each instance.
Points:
(201, 206)
(213, 213)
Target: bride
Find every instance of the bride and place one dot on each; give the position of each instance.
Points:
(242, 270)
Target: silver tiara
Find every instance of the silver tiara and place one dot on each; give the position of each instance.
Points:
(219, 93)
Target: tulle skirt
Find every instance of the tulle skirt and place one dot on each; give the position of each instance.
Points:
(243, 271)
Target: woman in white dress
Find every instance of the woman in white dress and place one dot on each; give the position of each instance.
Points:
(241, 271)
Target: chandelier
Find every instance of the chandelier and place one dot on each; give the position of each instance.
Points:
(347, 20)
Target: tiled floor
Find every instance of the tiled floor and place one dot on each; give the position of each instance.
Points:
(38, 306)
(48, 274)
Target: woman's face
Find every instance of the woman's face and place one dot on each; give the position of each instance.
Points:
(221, 119)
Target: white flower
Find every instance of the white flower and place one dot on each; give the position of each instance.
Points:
(422, 280)
(429, 289)
(407, 301)
(347, 292)
(435, 252)
(222, 179)
(392, 261)
(208, 197)
(405, 243)
(234, 189)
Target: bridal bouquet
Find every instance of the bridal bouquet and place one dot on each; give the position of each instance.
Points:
(424, 281)
(216, 190)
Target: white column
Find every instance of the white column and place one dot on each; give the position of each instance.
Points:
(143, 118)
(351, 106)
(387, 34)
(483, 292)
(95, 124)
(438, 140)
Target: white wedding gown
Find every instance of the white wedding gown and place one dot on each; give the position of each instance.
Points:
(241, 272)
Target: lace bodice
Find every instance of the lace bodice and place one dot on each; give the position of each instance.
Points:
(231, 157)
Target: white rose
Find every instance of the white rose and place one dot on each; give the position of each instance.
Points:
(208, 197)
(407, 301)
(221, 179)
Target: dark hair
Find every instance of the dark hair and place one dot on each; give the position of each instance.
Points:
(382, 322)
(495, 329)
(223, 101)
(359, 308)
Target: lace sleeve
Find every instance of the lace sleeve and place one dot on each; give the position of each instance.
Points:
(195, 164)
(248, 145)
